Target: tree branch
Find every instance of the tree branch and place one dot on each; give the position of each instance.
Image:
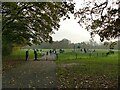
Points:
(97, 6)
(13, 18)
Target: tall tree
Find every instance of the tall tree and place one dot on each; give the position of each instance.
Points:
(31, 22)
(100, 17)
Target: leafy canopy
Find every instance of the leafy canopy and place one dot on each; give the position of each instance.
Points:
(32, 22)
(27, 23)
(100, 17)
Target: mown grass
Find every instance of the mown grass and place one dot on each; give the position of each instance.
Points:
(71, 57)
(95, 71)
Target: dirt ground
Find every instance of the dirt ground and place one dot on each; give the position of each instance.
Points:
(32, 74)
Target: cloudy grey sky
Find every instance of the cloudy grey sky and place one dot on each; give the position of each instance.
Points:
(71, 30)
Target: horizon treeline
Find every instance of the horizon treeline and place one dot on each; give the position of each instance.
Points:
(66, 44)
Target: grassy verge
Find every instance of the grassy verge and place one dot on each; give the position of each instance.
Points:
(17, 57)
(87, 71)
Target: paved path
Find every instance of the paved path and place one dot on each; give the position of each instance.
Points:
(32, 74)
(49, 57)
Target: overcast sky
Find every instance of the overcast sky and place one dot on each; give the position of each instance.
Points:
(72, 31)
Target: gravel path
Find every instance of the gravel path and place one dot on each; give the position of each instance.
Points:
(32, 74)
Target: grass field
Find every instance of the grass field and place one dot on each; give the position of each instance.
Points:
(96, 71)
(17, 57)
(86, 71)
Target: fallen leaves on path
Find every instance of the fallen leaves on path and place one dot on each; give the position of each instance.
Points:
(7, 65)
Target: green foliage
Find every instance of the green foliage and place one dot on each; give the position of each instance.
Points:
(32, 22)
(25, 23)
(100, 18)
(110, 44)
(68, 45)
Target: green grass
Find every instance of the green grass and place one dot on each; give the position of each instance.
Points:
(88, 67)
(84, 71)
(17, 57)
(21, 55)
(71, 56)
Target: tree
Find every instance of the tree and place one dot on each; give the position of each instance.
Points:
(100, 17)
(83, 45)
(65, 43)
(31, 22)
(106, 44)
(111, 44)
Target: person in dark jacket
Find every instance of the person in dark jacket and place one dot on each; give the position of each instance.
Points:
(35, 53)
(26, 55)
(85, 50)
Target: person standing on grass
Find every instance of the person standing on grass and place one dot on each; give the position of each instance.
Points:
(35, 53)
(46, 53)
(26, 55)
(85, 50)
(50, 52)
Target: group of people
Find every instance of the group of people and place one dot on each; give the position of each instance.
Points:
(35, 54)
(85, 50)
(51, 52)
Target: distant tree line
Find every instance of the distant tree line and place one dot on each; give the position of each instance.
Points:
(66, 44)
